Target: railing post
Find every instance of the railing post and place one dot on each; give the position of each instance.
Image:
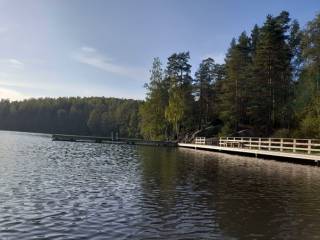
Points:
(259, 144)
(281, 144)
(249, 143)
(294, 145)
(309, 146)
(269, 144)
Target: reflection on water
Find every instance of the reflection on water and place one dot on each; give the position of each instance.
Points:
(63, 190)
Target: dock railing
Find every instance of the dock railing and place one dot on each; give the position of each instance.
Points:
(293, 145)
(200, 140)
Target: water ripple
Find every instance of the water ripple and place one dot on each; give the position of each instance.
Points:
(62, 190)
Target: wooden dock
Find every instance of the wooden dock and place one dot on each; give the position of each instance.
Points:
(99, 139)
(284, 148)
(298, 150)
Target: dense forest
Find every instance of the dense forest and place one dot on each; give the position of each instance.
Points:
(269, 85)
(85, 116)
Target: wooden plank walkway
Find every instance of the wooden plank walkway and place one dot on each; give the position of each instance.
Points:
(290, 149)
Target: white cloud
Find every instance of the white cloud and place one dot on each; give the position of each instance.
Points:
(91, 57)
(15, 62)
(6, 93)
(88, 49)
(11, 63)
(217, 57)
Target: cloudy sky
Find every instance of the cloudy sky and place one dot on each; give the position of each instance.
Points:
(105, 47)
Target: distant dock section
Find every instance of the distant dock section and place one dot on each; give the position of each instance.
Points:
(307, 150)
(99, 139)
(295, 150)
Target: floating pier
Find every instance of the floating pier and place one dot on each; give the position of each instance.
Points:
(99, 139)
(306, 150)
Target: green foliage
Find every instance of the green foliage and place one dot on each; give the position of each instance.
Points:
(94, 121)
(98, 116)
(203, 87)
(175, 111)
(227, 130)
(307, 101)
(179, 111)
(310, 127)
(282, 133)
(269, 85)
(234, 94)
(152, 112)
(169, 103)
(272, 74)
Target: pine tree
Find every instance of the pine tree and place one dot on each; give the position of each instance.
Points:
(272, 75)
(204, 80)
(255, 34)
(295, 47)
(152, 112)
(234, 95)
(180, 89)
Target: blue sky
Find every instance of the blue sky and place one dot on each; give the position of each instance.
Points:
(105, 47)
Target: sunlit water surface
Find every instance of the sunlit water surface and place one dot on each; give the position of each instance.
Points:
(64, 190)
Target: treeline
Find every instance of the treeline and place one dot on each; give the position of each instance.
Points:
(268, 86)
(85, 116)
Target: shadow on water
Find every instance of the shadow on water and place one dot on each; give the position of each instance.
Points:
(231, 196)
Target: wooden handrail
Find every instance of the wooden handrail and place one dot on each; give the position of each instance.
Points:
(309, 146)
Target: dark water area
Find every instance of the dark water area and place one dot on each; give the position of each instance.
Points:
(65, 190)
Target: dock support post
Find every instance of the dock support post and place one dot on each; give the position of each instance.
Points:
(269, 144)
(309, 146)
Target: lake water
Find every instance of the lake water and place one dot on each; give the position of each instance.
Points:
(64, 190)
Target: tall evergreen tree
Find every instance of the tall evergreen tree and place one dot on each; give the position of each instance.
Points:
(272, 75)
(152, 112)
(180, 82)
(204, 79)
(235, 87)
(255, 34)
(295, 39)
